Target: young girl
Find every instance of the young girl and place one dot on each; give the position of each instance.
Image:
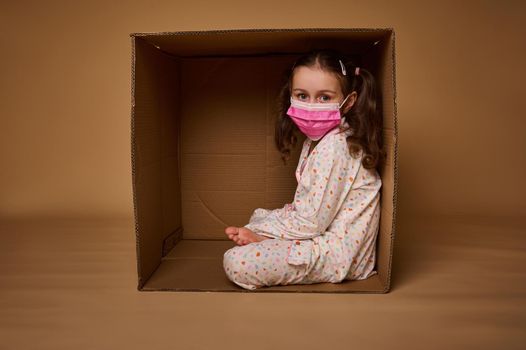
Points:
(328, 233)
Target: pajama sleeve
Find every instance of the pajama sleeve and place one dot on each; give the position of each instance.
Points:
(323, 186)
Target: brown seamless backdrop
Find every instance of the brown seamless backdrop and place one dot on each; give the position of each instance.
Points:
(65, 154)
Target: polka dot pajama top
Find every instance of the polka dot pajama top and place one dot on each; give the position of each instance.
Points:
(327, 234)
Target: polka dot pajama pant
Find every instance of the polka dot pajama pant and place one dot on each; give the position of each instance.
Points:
(265, 264)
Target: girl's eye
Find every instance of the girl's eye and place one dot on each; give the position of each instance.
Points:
(301, 96)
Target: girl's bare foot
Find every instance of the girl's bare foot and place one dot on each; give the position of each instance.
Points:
(243, 236)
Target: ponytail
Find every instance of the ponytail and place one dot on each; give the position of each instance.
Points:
(364, 118)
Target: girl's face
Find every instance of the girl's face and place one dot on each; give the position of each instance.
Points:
(317, 86)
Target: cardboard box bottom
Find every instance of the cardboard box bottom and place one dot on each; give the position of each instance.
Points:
(197, 265)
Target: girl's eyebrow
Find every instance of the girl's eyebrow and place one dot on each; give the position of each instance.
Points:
(318, 91)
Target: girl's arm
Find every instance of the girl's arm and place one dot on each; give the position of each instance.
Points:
(324, 184)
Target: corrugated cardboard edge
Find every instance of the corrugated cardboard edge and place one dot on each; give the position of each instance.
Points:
(242, 290)
(262, 30)
(395, 175)
(134, 190)
(219, 31)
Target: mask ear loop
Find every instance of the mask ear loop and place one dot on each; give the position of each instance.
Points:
(345, 99)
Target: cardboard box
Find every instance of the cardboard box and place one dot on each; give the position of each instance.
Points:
(202, 147)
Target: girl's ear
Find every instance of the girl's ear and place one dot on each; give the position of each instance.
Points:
(350, 102)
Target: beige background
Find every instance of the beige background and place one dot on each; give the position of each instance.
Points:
(458, 274)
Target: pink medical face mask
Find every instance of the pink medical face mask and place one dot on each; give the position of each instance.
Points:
(315, 119)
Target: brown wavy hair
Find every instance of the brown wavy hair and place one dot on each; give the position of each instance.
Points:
(363, 117)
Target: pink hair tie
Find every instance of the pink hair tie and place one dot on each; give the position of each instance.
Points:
(357, 71)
